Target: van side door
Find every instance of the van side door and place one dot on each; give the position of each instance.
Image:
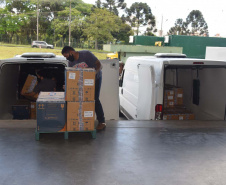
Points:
(147, 88)
(128, 93)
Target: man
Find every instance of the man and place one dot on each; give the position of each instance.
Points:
(86, 59)
(44, 84)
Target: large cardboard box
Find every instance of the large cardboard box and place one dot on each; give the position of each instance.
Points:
(80, 116)
(51, 112)
(80, 84)
(29, 84)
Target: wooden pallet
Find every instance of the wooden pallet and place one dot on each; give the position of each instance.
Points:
(66, 133)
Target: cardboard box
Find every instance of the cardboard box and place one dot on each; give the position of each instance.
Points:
(178, 95)
(51, 112)
(33, 110)
(80, 116)
(170, 117)
(168, 103)
(178, 113)
(80, 84)
(29, 84)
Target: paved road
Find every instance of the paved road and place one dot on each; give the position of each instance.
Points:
(127, 152)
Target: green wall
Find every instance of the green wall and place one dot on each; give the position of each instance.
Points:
(126, 51)
(146, 40)
(194, 46)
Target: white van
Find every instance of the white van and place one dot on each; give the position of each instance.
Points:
(144, 80)
(14, 72)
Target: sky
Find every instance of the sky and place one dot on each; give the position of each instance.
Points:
(214, 12)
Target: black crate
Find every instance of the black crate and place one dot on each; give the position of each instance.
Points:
(21, 111)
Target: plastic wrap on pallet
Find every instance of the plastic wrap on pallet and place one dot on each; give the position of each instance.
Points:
(81, 124)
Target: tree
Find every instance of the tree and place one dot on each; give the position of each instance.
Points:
(123, 34)
(139, 14)
(180, 28)
(98, 4)
(114, 5)
(100, 25)
(61, 23)
(196, 23)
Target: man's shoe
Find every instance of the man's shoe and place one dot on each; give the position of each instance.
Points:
(101, 126)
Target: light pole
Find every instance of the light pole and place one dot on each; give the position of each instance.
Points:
(161, 32)
(70, 25)
(37, 19)
(161, 26)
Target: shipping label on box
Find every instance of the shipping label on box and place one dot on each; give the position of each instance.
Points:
(80, 84)
(29, 84)
(169, 92)
(168, 103)
(182, 117)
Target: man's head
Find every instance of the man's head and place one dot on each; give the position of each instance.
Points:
(69, 53)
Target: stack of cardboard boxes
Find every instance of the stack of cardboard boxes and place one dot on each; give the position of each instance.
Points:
(80, 97)
(173, 105)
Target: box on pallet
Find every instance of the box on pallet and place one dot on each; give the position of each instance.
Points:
(51, 112)
(178, 113)
(80, 84)
(29, 84)
(80, 116)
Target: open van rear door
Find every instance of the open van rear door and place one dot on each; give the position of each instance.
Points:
(0, 64)
(146, 97)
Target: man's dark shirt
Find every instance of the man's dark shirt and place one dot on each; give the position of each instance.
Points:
(86, 60)
(45, 85)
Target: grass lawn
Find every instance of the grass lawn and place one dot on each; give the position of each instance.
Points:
(10, 51)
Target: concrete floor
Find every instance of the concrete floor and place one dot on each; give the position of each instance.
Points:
(127, 152)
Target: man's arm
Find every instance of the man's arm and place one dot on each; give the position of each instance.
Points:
(98, 66)
(32, 95)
